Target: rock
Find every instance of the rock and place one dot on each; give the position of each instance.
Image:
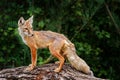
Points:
(45, 72)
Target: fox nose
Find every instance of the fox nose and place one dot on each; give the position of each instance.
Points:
(32, 34)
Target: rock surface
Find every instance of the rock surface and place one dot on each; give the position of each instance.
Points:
(45, 72)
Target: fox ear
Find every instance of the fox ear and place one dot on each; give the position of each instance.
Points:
(21, 21)
(31, 19)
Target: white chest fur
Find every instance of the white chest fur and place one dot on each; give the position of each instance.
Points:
(22, 35)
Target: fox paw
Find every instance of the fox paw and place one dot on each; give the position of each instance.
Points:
(29, 68)
(57, 62)
(57, 70)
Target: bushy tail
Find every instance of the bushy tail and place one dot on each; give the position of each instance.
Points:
(75, 60)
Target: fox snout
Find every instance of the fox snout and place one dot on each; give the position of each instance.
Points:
(27, 31)
(32, 35)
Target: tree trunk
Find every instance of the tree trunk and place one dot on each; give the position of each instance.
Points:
(45, 72)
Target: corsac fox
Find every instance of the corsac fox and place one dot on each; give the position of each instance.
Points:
(59, 46)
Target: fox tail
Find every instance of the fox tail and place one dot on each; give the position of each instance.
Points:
(77, 62)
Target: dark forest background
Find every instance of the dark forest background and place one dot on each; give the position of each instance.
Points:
(92, 25)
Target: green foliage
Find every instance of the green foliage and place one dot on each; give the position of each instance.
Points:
(93, 26)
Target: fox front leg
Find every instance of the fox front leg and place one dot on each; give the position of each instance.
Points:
(33, 59)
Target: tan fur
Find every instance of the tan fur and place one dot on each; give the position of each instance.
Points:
(59, 46)
(76, 61)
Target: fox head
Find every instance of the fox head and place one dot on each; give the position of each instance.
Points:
(25, 26)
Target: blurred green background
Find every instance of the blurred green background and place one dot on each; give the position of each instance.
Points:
(93, 26)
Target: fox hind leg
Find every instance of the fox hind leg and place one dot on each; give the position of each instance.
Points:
(55, 48)
(60, 58)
